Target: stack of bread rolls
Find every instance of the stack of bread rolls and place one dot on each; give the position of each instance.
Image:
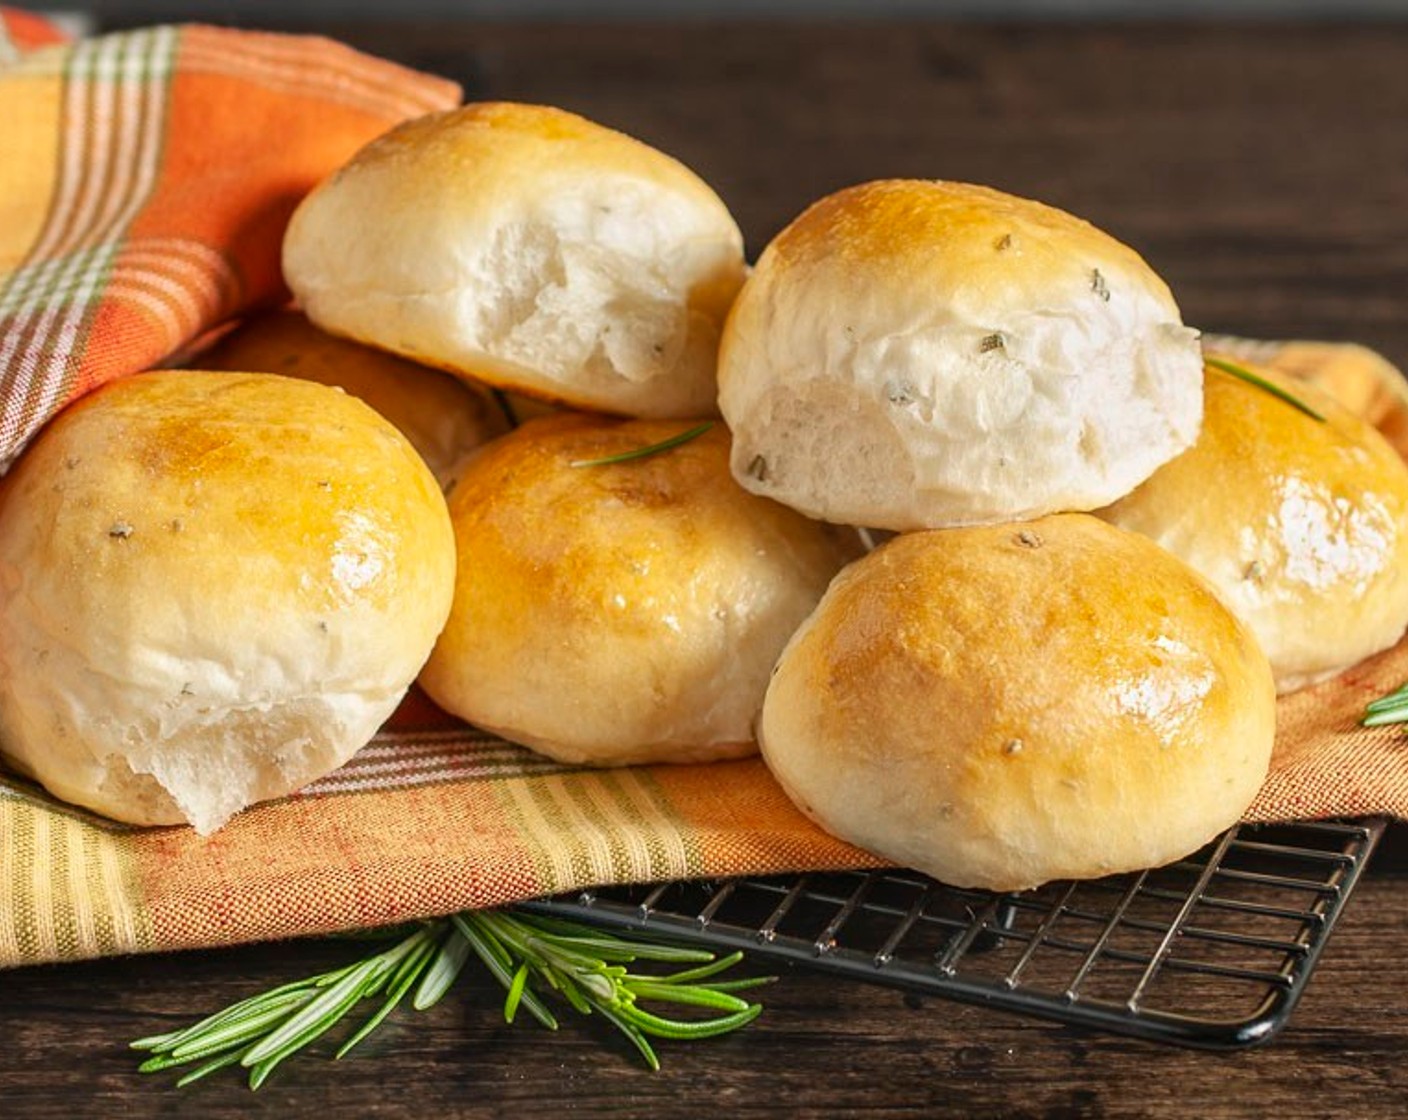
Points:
(1057, 667)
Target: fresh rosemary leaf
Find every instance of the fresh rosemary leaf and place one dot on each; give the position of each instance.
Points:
(703, 972)
(694, 997)
(528, 955)
(413, 968)
(740, 985)
(1244, 374)
(1389, 708)
(495, 958)
(633, 1033)
(1394, 699)
(515, 992)
(444, 970)
(643, 452)
(675, 1029)
(210, 1067)
(311, 1021)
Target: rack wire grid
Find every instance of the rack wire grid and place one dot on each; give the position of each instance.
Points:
(1212, 951)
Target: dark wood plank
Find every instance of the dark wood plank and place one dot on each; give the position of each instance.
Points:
(1264, 171)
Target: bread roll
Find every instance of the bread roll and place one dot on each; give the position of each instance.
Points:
(621, 613)
(443, 418)
(918, 354)
(529, 248)
(1004, 705)
(1301, 527)
(214, 587)
(1361, 379)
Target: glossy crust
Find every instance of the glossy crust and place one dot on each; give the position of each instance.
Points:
(1300, 527)
(528, 248)
(911, 354)
(1361, 379)
(1005, 705)
(626, 613)
(444, 418)
(214, 587)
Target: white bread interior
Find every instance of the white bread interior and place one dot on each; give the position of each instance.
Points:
(528, 248)
(912, 354)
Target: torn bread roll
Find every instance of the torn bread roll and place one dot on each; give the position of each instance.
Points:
(911, 354)
(1000, 706)
(443, 417)
(621, 612)
(214, 587)
(1300, 525)
(529, 248)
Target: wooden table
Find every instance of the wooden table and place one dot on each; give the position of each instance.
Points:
(1264, 171)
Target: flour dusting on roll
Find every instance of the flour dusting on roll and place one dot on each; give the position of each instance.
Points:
(1299, 524)
(912, 354)
(529, 248)
(214, 587)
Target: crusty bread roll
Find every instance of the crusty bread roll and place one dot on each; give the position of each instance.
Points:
(621, 613)
(214, 587)
(529, 248)
(1300, 526)
(913, 354)
(1003, 705)
(444, 418)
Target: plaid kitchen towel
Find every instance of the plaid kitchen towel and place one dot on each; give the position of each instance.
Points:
(145, 181)
(142, 202)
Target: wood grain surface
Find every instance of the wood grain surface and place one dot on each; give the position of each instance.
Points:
(1263, 170)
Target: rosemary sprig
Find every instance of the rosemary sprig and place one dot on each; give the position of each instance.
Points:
(642, 452)
(1392, 708)
(1244, 374)
(529, 955)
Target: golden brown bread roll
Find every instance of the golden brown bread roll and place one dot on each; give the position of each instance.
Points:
(528, 248)
(1004, 705)
(621, 613)
(1361, 379)
(912, 354)
(214, 587)
(444, 418)
(1300, 526)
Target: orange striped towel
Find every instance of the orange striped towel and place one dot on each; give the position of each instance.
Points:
(145, 181)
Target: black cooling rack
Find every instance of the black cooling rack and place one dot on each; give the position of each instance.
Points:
(1212, 951)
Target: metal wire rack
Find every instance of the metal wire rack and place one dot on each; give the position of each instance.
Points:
(1212, 951)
